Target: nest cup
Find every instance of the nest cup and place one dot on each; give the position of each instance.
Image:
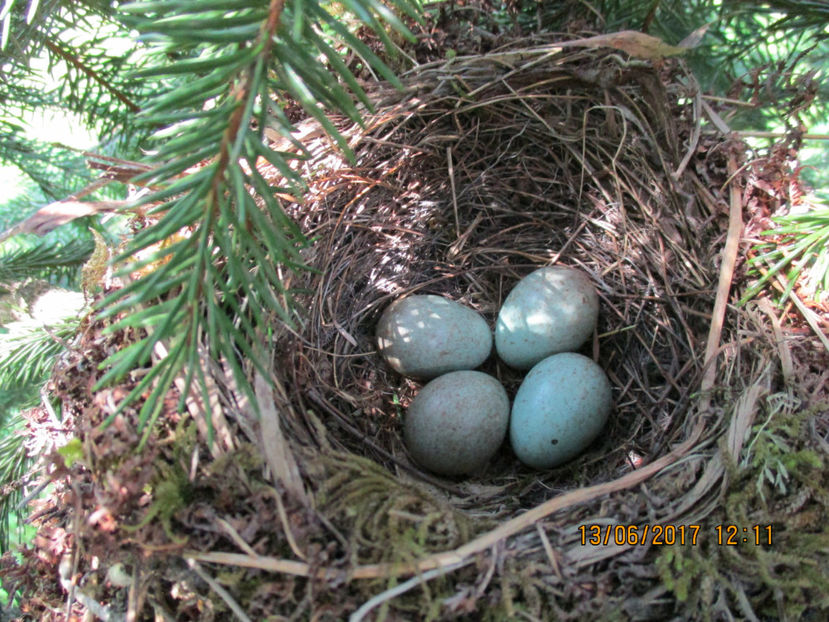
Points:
(485, 169)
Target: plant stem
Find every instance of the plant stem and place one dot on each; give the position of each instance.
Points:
(76, 62)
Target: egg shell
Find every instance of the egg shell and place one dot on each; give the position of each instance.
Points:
(425, 336)
(457, 422)
(559, 409)
(551, 310)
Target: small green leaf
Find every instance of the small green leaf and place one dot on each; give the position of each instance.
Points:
(194, 66)
(299, 20)
(72, 452)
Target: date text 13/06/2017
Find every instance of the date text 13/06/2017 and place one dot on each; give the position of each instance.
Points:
(661, 535)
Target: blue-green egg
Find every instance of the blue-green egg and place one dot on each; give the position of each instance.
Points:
(560, 408)
(425, 336)
(551, 310)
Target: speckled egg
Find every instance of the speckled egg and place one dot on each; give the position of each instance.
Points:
(457, 422)
(559, 409)
(551, 310)
(425, 336)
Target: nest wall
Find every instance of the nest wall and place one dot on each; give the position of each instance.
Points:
(484, 169)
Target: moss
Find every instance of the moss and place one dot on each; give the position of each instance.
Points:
(777, 481)
(171, 491)
(388, 520)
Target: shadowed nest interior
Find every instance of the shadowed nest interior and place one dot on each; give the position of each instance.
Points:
(485, 169)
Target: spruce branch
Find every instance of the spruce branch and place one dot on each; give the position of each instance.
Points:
(215, 259)
(79, 64)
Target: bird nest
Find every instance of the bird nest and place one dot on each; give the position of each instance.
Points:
(483, 169)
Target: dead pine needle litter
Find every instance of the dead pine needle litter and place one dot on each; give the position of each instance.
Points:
(699, 500)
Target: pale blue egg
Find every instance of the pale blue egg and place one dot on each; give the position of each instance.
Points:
(559, 409)
(425, 336)
(551, 310)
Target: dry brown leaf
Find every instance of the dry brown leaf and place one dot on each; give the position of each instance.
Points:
(59, 213)
(693, 40)
(637, 44)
